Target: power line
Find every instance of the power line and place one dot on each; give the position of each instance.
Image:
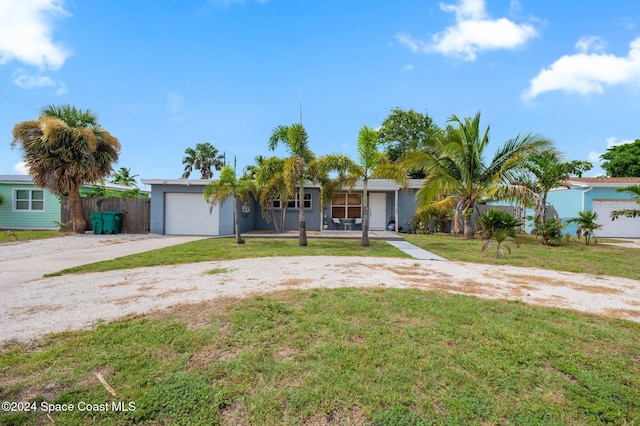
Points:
(18, 102)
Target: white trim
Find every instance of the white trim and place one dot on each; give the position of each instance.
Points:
(14, 204)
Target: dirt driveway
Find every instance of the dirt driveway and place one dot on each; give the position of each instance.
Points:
(36, 307)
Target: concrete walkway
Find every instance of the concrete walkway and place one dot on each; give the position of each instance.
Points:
(415, 251)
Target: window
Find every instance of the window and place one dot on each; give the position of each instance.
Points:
(28, 200)
(346, 206)
(294, 203)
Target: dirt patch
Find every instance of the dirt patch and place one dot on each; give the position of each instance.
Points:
(595, 289)
(31, 310)
(295, 282)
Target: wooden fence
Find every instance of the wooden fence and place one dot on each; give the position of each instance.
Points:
(136, 212)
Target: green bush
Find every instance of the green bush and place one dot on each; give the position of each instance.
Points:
(550, 230)
(499, 220)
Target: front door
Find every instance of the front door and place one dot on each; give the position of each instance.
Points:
(378, 211)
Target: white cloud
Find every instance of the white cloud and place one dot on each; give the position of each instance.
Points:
(26, 33)
(612, 141)
(62, 89)
(594, 157)
(26, 81)
(408, 67)
(176, 101)
(21, 168)
(586, 73)
(473, 32)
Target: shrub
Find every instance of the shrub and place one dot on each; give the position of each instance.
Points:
(499, 220)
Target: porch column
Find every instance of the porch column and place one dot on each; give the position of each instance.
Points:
(396, 211)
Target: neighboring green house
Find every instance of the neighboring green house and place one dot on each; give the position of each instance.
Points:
(27, 206)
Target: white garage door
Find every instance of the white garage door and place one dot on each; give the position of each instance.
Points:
(621, 227)
(188, 214)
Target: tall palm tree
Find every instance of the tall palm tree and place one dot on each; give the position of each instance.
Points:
(295, 167)
(374, 164)
(204, 157)
(64, 149)
(634, 190)
(459, 176)
(228, 185)
(123, 177)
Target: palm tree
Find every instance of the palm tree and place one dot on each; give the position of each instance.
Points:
(459, 176)
(64, 149)
(269, 177)
(586, 221)
(374, 164)
(297, 141)
(228, 185)
(123, 177)
(203, 158)
(634, 190)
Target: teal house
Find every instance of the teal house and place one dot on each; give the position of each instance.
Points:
(597, 194)
(27, 206)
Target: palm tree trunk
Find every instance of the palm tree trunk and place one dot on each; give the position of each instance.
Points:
(468, 223)
(365, 215)
(239, 239)
(302, 241)
(79, 222)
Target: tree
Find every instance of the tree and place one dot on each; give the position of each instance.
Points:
(64, 149)
(297, 141)
(459, 176)
(203, 158)
(269, 177)
(406, 131)
(123, 177)
(622, 160)
(373, 164)
(228, 185)
(634, 190)
(544, 172)
(586, 221)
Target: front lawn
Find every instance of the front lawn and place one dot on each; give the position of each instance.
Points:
(343, 356)
(9, 236)
(211, 249)
(571, 256)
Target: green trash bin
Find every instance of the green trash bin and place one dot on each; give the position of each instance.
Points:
(97, 223)
(112, 221)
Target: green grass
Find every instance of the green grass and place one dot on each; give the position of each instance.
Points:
(226, 248)
(344, 356)
(9, 236)
(572, 256)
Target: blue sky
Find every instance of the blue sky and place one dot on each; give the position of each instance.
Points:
(163, 76)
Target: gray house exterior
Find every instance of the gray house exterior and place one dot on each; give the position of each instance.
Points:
(178, 208)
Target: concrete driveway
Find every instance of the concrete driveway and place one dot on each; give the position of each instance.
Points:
(24, 261)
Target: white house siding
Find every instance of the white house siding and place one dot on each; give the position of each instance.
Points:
(621, 227)
(189, 214)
